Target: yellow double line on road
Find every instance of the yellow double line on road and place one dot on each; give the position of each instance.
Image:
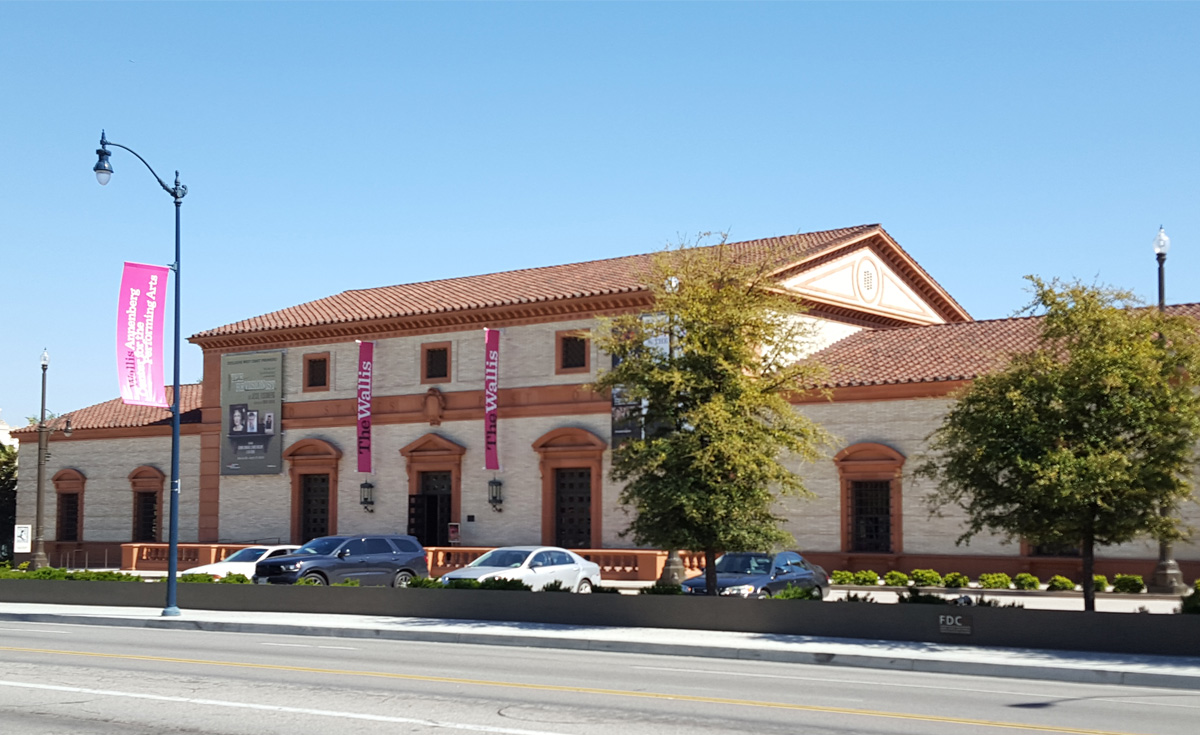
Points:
(581, 690)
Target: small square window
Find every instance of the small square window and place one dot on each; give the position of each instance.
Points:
(435, 362)
(316, 372)
(572, 352)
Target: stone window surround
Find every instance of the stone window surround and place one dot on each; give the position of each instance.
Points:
(146, 479)
(308, 360)
(559, 338)
(312, 457)
(68, 482)
(867, 461)
(425, 348)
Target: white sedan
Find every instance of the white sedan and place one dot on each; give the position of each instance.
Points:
(536, 566)
(242, 561)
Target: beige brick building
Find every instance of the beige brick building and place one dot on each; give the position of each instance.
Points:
(897, 345)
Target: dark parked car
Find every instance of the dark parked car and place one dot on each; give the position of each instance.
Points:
(372, 560)
(756, 574)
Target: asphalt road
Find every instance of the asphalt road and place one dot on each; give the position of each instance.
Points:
(96, 680)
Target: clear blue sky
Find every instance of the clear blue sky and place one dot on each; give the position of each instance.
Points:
(338, 146)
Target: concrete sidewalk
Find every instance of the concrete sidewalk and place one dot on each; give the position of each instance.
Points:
(1096, 668)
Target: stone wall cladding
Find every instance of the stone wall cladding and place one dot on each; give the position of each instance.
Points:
(107, 495)
(526, 360)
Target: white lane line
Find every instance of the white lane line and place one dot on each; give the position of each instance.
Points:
(37, 630)
(288, 645)
(339, 648)
(276, 708)
(1147, 704)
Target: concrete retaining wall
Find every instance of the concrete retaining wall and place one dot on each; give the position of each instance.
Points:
(1176, 635)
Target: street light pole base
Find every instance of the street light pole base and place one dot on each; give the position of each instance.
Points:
(171, 612)
(673, 571)
(1168, 579)
(39, 560)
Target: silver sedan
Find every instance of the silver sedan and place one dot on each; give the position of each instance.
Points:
(536, 566)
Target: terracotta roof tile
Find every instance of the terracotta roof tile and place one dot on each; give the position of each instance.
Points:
(116, 415)
(920, 354)
(533, 285)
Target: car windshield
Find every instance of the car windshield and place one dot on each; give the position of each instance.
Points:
(744, 564)
(250, 554)
(320, 546)
(502, 558)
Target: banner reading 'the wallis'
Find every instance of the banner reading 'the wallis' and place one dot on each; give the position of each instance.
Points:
(366, 359)
(491, 391)
(140, 334)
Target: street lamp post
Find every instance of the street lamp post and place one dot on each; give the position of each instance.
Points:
(39, 539)
(1168, 579)
(104, 171)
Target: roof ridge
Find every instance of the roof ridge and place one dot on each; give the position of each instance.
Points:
(847, 230)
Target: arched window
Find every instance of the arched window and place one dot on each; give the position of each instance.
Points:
(871, 510)
(572, 487)
(68, 489)
(147, 485)
(313, 467)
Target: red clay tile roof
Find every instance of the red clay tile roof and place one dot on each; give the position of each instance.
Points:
(920, 354)
(532, 285)
(116, 415)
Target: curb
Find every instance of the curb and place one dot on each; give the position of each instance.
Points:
(890, 662)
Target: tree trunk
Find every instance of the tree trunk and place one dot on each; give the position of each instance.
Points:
(710, 571)
(1087, 549)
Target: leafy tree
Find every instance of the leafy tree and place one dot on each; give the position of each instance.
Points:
(1081, 441)
(8, 499)
(713, 368)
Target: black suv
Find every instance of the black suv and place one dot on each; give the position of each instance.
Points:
(372, 560)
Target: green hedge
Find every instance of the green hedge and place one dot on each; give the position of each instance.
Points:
(926, 578)
(1059, 583)
(995, 581)
(866, 577)
(792, 592)
(842, 576)
(1101, 582)
(956, 580)
(1128, 583)
(1026, 581)
(658, 588)
(895, 579)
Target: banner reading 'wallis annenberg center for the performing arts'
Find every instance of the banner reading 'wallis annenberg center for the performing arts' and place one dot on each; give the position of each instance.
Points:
(251, 402)
(140, 334)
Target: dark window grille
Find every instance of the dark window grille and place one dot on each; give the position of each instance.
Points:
(1055, 550)
(871, 516)
(574, 353)
(437, 363)
(145, 522)
(318, 373)
(68, 517)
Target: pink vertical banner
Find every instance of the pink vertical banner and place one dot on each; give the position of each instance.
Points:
(366, 360)
(491, 392)
(140, 334)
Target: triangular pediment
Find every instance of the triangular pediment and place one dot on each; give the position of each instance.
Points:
(872, 279)
(433, 444)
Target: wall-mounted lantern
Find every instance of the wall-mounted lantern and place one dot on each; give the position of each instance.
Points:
(496, 494)
(366, 496)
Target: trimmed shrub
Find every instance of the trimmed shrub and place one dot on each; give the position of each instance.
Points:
(234, 579)
(981, 602)
(82, 575)
(499, 583)
(841, 576)
(425, 583)
(1026, 581)
(659, 588)
(995, 581)
(855, 597)
(956, 580)
(1059, 583)
(196, 579)
(792, 592)
(1191, 603)
(866, 577)
(462, 584)
(926, 578)
(347, 583)
(307, 582)
(895, 579)
(555, 586)
(605, 591)
(915, 597)
(1101, 582)
(1130, 584)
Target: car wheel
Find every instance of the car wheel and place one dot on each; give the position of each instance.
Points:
(585, 587)
(315, 578)
(820, 592)
(763, 594)
(402, 579)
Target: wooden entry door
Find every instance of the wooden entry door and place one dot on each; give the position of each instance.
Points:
(314, 507)
(573, 508)
(429, 510)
